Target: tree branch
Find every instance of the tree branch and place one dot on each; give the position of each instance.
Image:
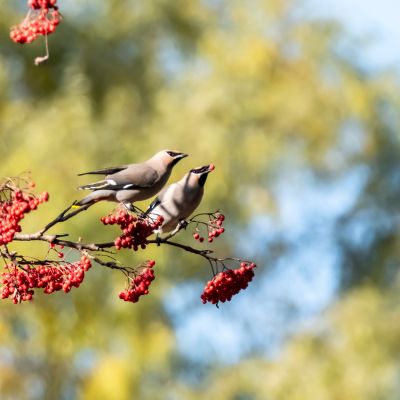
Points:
(136, 231)
(64, 216)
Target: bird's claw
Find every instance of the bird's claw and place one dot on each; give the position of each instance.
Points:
(183, 224)
(131, 207)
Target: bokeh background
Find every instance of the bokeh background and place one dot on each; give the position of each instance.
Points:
(296, 102)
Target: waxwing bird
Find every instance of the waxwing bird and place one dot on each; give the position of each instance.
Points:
(133, 182)
(177, 201)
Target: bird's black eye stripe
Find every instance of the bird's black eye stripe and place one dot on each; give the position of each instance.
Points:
(173, 153)
(200, 170)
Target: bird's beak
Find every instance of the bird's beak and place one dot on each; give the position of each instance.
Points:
(182, 155)
(211, 168)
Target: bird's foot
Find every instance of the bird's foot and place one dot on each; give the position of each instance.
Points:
(183, 224)
(131, 207)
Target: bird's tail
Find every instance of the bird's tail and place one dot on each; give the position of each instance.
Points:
(85, 201)
(95, 196)
(94, 186)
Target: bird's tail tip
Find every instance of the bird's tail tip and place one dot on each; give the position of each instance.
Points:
(86, 201)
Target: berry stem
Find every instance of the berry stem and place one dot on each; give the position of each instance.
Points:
(40, 60)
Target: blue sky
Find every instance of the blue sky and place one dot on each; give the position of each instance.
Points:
(378, 20)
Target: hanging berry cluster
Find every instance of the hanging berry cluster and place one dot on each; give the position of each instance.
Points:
(42, 4)
(42, 19)
(19, 284)
(213, 227)
(139, 285)
(12, 211)
(228, 283)
(135, 230)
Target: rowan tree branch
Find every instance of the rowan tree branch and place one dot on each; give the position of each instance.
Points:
(81, 246)
(104, 248)
(64, 216)
(57, 239)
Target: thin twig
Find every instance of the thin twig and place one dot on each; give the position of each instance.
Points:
(64, 216)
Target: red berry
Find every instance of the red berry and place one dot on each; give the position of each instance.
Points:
(228, 283)
(18, 284)
(12, 211)
(134, 231)
(139, 286)
(40, 21)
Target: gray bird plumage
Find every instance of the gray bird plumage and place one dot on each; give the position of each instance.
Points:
(133, 182)
(178, 201)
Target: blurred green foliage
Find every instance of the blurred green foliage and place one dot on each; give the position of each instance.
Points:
(252, 86)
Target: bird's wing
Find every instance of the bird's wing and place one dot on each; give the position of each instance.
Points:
(131, 177)
(152, 206)
(136, 176)
(105, 171)
(161, 198)
(156, 202)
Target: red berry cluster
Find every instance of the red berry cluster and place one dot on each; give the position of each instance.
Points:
(19, 284)
(12, 211)
(42, 4)
(135, 230)
(228, 283)
(42, 21)
(139, 285)
(214, 228)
